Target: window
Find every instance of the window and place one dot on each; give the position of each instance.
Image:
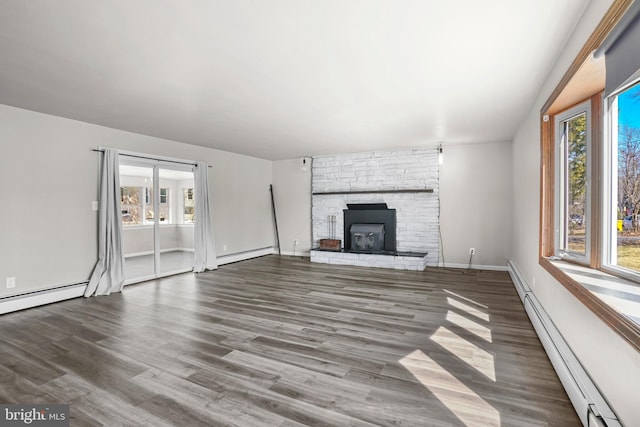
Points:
(164, 213)
(189, 206)
(131, 205)
(590, 174)
(145, 204)
(149, 214)
(624, 182)
(572, 202)
(164, 196)
(164, 208)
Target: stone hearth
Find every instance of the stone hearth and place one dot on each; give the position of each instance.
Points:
(401, 261)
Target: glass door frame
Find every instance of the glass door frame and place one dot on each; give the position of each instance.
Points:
(155, 165)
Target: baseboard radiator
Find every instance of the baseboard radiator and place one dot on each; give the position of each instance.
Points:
(588, 402)
(41, 297)
(64, 292)
(243, 256)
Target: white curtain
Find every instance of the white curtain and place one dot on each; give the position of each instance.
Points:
(108, 274)
(205, 256)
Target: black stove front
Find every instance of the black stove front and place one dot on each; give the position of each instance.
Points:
(370, 228)
(367, 238)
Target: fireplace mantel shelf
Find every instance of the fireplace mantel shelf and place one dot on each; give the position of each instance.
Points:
(328, 193)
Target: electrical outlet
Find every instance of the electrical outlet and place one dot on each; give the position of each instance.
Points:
(472, 251)
(295, 242)
(11, 282)
(224, 248)
(94, 205)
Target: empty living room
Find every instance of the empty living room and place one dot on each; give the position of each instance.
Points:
(320, 213)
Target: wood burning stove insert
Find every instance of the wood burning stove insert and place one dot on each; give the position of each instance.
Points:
(369, 228)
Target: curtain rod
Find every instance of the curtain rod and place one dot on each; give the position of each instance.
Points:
(101, 150)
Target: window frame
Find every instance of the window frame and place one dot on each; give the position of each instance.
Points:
(622, 325)
(561, 213)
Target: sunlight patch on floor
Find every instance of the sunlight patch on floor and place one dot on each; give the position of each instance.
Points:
(475, 328)
(467, 308)
(463, 402)
(474, 356)
(464, 298)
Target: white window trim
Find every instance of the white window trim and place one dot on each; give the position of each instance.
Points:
(610, 190)
(559, 214)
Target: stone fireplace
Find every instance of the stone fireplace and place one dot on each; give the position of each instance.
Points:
(403, 182)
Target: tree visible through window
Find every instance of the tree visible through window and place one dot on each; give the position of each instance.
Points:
(626, 120)
(573, 148)
(131, 205)
(577, 183)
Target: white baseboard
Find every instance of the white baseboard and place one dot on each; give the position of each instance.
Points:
(241, 256)
(131, 255)
(135, 254)
(477, 266)
(179, 250)
(36, 298)
(297, 253)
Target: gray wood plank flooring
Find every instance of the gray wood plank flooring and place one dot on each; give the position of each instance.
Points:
(278, 341)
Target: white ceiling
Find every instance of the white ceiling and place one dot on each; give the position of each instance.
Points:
(279, 79)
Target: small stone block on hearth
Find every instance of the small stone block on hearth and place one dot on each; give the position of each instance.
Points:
(331, 244)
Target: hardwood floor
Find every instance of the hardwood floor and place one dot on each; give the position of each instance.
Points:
(283, 342)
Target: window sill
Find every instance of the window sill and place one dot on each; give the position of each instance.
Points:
(615, 300)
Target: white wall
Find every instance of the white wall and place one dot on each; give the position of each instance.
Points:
(50, 177)
(292, 195)
(476, 203)
(612, 363)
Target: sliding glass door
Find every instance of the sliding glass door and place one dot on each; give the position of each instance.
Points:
(138, 242)
(157, 201)
(176, 219)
